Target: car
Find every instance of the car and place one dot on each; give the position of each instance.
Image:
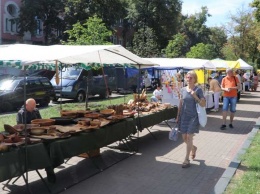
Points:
(13, 95)
(75, 82)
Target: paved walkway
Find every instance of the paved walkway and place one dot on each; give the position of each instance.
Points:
(156, 168)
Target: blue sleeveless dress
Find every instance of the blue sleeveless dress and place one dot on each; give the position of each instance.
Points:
(188, 120)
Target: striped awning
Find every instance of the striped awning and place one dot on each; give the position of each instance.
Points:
(33, 66)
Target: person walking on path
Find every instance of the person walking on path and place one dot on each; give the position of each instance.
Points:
(255, 81)
(230, 84)
(187, 117)
(215, 87)
(240, 81)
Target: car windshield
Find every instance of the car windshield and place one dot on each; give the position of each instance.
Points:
(8, 85)
(70, 73)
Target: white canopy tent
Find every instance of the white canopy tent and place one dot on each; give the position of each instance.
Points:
(220, 64)
(87, 55)
(184, 63)
(244, 65)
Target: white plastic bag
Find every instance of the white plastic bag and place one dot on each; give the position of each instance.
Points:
(202, 114)
(173, 135)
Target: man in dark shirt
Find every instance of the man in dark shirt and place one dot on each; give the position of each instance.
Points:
(31, 113)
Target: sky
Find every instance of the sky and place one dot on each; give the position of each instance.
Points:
(220, 10)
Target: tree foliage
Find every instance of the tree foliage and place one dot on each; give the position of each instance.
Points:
(193, 30)
(144, 43)
(158, 25)
(160, 15)
(218, 39)
(194, 27)
(177, 46)
(92, 32)
(256, 4)
(243, 32)
(47, 11)
(110, 11)
(202, 51)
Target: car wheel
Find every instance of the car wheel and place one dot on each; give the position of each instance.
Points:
(110, 91)
(6, 107)
(104, 95)
(80, 96)
(55, 99)
(45, 102)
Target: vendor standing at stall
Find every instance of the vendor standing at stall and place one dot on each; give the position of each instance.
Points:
(214, 86)
(157, 94)
(31, 112)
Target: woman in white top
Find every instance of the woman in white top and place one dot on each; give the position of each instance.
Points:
(215, 87)
(157, 95)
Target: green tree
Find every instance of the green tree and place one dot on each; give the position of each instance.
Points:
(110, 11)
(194, 27)
(92, 32)
(218, 39)
(144, 43)
(177, 46)
(256, 4)
(33, 12)
(228, 51)
(243, 32)
(160, 15)
(202, 51)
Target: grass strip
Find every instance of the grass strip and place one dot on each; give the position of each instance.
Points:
(247, 177)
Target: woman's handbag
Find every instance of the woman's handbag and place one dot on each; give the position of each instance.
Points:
(173, 135)
(202, 114)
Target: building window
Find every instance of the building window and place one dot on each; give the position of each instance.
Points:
(11, 13)
(114, 39)
(39, 27)
(120, 41)
(7, 25)
(120, 23)
(13, 26)
(12, 10)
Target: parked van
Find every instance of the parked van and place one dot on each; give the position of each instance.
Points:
(74, 81)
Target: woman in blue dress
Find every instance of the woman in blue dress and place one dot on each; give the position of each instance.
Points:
(187, 114)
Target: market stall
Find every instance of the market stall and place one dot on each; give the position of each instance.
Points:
(49, 57)
(55, 148)
(171, 83)
(60, 142)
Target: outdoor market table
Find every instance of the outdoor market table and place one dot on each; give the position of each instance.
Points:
(51, 154)
(86, 141)
(13, 163)
(145, 121)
